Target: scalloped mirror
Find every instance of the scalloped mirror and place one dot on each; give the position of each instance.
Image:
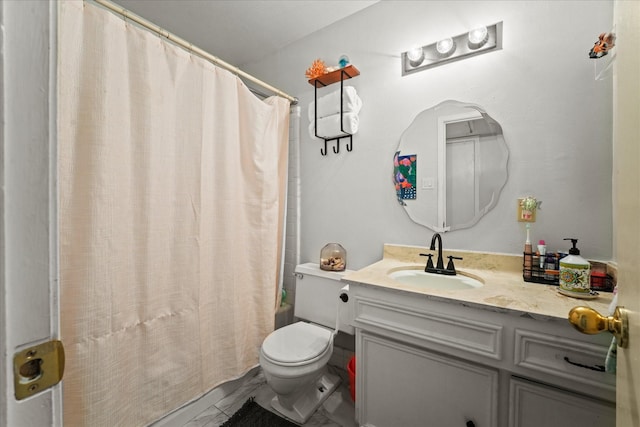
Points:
(450, 166)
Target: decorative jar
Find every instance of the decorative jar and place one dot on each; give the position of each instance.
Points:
(333, 257)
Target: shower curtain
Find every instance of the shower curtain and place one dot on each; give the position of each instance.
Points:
(171, 199)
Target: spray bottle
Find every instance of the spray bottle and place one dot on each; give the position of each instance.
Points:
(575, 271)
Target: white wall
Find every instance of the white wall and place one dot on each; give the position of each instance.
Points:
(555, 116)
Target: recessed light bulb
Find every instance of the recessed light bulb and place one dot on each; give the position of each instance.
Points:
(478, 36)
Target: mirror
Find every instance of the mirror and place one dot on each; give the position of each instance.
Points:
(450, 166)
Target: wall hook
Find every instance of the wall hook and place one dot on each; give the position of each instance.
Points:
(324, 151)
(336, 148)
(350, 143)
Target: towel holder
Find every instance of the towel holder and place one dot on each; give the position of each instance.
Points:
(325, 80)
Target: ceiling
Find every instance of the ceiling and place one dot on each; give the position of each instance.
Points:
(243, 31)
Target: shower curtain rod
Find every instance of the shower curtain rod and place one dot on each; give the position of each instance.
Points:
(191, 48)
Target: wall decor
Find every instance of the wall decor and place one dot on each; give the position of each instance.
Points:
(404, 176)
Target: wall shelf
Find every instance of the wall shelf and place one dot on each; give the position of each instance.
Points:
(325, 80)
(335, 76)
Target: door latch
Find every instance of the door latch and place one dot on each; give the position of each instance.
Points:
(37, 368)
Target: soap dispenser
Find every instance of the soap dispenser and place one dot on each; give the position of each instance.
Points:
(575, 271)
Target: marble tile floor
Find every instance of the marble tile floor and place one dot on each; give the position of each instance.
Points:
(337, 411)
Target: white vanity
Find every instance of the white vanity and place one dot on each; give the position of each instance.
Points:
(500, 355)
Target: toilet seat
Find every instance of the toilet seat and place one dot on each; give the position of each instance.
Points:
(297, 344)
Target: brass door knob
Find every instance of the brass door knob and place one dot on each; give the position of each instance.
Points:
(589, 321)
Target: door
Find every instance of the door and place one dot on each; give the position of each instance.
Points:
(462, 180)
(27, 207)
(626, 113)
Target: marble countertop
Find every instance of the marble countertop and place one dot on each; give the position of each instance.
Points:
(504, 288)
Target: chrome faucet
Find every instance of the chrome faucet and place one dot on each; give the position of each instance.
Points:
(439, 268)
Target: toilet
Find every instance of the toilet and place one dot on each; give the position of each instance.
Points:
(294, 357)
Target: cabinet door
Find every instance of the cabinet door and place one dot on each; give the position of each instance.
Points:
(400, 385)
(534, 405)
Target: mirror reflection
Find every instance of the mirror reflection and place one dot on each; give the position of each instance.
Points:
(450, 166)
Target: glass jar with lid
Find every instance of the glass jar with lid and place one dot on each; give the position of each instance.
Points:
(333, 257)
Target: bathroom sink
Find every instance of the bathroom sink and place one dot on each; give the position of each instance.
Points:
(424, 280)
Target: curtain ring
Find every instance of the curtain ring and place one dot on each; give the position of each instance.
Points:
(190, 51)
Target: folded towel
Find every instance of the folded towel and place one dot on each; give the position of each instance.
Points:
(329, 127)
(330, 104)
(610, 361)
(612, 357)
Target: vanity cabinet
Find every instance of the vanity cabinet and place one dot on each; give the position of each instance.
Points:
(430, 361)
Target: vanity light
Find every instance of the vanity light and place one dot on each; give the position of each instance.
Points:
(446, 47)
(478, 37)
(449, 49)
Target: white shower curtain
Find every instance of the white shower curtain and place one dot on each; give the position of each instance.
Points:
(172, 188)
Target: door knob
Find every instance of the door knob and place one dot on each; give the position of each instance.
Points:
(589, 321)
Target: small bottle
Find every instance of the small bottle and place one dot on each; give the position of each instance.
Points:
(575, 271)
(599, 281)
(549, 266)
(542, 250)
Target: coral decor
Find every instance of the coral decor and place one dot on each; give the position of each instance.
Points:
(317, 69)
(606, 42)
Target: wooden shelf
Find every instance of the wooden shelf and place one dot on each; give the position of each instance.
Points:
(335, 76)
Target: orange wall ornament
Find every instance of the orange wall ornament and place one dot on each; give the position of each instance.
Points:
(317, 69)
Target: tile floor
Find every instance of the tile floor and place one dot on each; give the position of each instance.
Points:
(337, 411)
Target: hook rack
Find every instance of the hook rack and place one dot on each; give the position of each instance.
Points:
(336, 148)
(325, 80)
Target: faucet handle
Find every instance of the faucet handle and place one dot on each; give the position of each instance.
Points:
(450, 265)
(429, 261)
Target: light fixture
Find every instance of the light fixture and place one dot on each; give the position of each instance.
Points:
(449, 49)
(415, 56)
(478, 37)
(446, 47)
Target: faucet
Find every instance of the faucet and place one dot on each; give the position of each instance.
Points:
(439, 268)
(439, 263)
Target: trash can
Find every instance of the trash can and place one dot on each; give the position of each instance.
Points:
(351, 369)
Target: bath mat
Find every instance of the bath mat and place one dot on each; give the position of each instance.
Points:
(253, 415)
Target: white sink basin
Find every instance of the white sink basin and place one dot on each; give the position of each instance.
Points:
(424, 280)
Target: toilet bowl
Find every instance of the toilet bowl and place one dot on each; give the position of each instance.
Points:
(294, 358)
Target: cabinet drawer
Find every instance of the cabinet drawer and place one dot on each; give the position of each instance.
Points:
(446, 330)
(576, 361)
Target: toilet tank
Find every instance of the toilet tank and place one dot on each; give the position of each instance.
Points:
(318, 297)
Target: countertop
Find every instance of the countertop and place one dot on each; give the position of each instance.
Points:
(504, 288)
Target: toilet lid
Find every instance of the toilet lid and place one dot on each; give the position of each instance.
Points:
(298, 342)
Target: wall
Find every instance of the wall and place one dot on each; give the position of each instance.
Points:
(540, 87)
